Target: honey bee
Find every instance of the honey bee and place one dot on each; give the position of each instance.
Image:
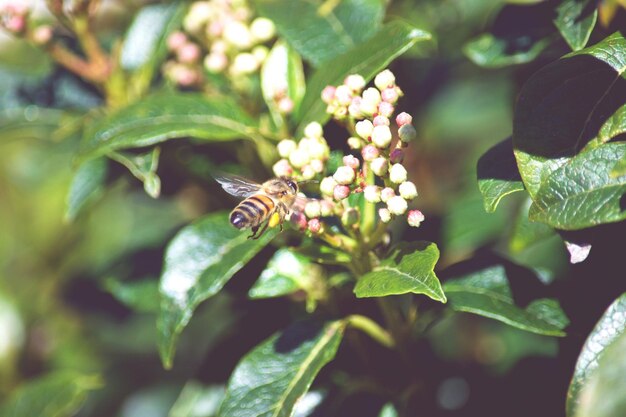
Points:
(267, 203)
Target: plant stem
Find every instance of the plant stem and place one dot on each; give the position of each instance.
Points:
(369, 214)
(372, 329)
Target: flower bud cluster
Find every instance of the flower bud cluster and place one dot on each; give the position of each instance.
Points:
(221, 36)
(306, 159)
(14, 17)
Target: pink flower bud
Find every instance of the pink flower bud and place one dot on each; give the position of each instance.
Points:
(176, 40)
(285, 105)
(385, 79)
(385, 215)
(403, 119)
(15, 24)
(282, 168)
(370, 152)
(344, 175)
(188, 53)
(385, 109)
(186, 77)
(317, 165)
(379, 166)
(341, 192)
(43, 34)
(315, 226)
(381, 121)
(407, 133)
(328, 94)
(415, 218)
(396, 156)
(371, 193)
(351, 161)
(389, 95)
(298, 219)
(386, 194)
(343, 95)
(397, 205)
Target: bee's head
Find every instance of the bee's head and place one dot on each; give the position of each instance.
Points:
(292, 185)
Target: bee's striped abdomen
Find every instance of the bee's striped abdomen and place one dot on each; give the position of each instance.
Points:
(252, 211)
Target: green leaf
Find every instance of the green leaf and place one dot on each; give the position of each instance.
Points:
(197, 400)
(619, 169)
(366, 59)
(320, 31)
(407, 269)
(582, 193)
(487, 292)
(270, 379)
(574, 103)
(199, 261)
(611, 325)
(388, 410)
(142, 296)
(143, 167)
(87, 184)
(58, 394)
(498, 175)
(526, 233)
(286, 273)
(282, 75)
(164, 116)
(489, 51)
(575, 20)
(603, 395)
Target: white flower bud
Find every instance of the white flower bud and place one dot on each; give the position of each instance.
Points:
(327, 208)
(285, 147)
(368, 107)
(355, 82)
(343, 95)
(215, 62)
(319, 149)
(380, 166)
(397, 173)
(355, 143)
(381, 136)
(260, 53)
(385, 79)
(385, 215)
(407, 190)
(244, 63)
(415, 218)
(299, 158)
(313, 209)
(372, 95)
(386, 194)
(282, 168)
(344, 175)
(327, 186)
(364, 128)
(308, 172)
(237, 34)
(371, 193)
(262, 29)
(317, 165)
(313, 130)
(397, 205)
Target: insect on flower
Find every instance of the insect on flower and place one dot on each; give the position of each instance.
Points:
(267, 203)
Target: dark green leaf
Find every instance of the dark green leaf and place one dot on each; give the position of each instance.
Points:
(574, 103)
(407, 269)
(490, 51)
(611, 325)
(140, 295)
(582, 193)
(526, 233)
(287, 272)
(487, 292)
(166, 116)
(603, 395)
(320, 31)
(197, 400)
(575, 20)
(59, 394)
(498, 175)
(620, 168)
(88, 182)
(199, 261)
(366, 59)
(270, 379)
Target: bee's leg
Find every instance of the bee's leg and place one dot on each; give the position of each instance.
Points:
(283, 213)
(262, 230)
(254, 230)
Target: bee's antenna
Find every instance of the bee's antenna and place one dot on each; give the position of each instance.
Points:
(308, 182)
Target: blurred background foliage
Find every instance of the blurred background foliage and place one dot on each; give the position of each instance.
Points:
(68, 293)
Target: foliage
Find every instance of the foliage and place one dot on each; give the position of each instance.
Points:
(127, 298)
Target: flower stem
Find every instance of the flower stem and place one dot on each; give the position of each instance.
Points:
(369, 214)
(372, 329)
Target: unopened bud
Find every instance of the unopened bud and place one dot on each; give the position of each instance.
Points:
(308, 172)
(381, 121)
(351, 161)
(385, 79)
(354, 109)
(299, 158)
(384, 214)
(327, 186)
(327, 208)
(43, 34)
(379, 166)
(319, 149)
(372, 95)
(176, 40)
(313, 130)
(355, 82)
(315, 226)
(341, 192)
(397, 205)
(215, 62)
(385, 109)
(386, 194)
(355, 143)
(260, 52)
(397, 173)
(262, 29)
(371, 193)
(389, 95)
(285, 147)
(396, 156)
(298, 219)
(244, 63)
(188, 53)
(343, 95)
(415, 218)
(407, 133)
(313, 209)
(407, 190)
(370, 152)
(403, 119)
(328, 94)
(237, 34)
(317, 165)
(381, 136)
(344, 175)
(364, 128)
(282, 168)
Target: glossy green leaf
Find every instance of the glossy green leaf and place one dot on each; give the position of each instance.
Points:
(287, 272)
(603, 395)
(619, 169)
(498, 175)
(87, 184)
(197, 400)
(582, 193)
(388, 410)
(270, 379)
(199, 261)
(574, 103)
(282, 75)
(487, 292)
(59, 394)
(366, 59)
(321, 31)
(575, 20)
(611, 325)
(407, 269)
(164, 116)
(140, 295)
(526, 233)
(489, 51)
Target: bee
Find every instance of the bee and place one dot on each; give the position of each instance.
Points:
(267, 203)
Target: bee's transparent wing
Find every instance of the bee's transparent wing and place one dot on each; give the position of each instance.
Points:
(237, 186)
